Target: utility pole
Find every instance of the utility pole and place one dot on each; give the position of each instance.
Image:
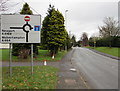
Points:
(70, 34)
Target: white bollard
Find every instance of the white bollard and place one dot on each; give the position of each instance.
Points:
(45, 63)
(53, 56)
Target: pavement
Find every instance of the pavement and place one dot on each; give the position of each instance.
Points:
(54, 64)
(69, 77)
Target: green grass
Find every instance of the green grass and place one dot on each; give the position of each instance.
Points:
(44, 77)
(112, 51)
(43, 54)
(6, 55)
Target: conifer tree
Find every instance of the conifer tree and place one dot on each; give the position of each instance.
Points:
(18, 47)
(54, 34)
(26, 10)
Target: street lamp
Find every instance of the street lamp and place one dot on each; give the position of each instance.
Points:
(94, 42)
(66, 18)
(66, 26)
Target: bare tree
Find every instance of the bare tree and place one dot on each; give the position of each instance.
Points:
(73, 40)
(84, 39)
(3, 5)
(110, 28)
(6, 5)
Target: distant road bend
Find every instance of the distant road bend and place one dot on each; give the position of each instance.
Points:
(101, 72)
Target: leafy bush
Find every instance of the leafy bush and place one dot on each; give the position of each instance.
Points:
(24, 53)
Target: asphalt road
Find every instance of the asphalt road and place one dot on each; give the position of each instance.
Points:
(100, 72)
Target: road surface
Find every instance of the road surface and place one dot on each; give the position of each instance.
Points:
(100, 72)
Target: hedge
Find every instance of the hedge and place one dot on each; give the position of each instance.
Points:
(113, 41)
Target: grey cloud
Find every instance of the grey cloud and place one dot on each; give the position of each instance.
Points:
(81, 16)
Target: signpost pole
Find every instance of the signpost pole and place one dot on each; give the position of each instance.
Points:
(10, 63)
(32, 58)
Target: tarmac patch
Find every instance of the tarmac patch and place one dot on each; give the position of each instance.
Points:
(70, 81)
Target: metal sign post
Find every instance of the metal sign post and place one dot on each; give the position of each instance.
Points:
(32, 58)
(10, 63)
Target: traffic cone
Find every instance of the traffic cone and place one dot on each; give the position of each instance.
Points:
(53, 56)
(45, 63)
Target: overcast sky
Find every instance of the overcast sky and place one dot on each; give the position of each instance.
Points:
(82, 15)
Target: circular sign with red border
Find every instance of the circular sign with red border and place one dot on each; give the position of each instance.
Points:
(27, 18)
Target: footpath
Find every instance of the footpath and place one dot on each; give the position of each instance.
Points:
(69, 78)
(54, 64)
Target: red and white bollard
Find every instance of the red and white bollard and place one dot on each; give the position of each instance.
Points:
(45, 63)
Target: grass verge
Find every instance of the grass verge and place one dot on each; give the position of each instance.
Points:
(44, 77)
(43, 54)
(112, 51)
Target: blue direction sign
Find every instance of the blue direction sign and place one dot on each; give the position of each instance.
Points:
(37, 28)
